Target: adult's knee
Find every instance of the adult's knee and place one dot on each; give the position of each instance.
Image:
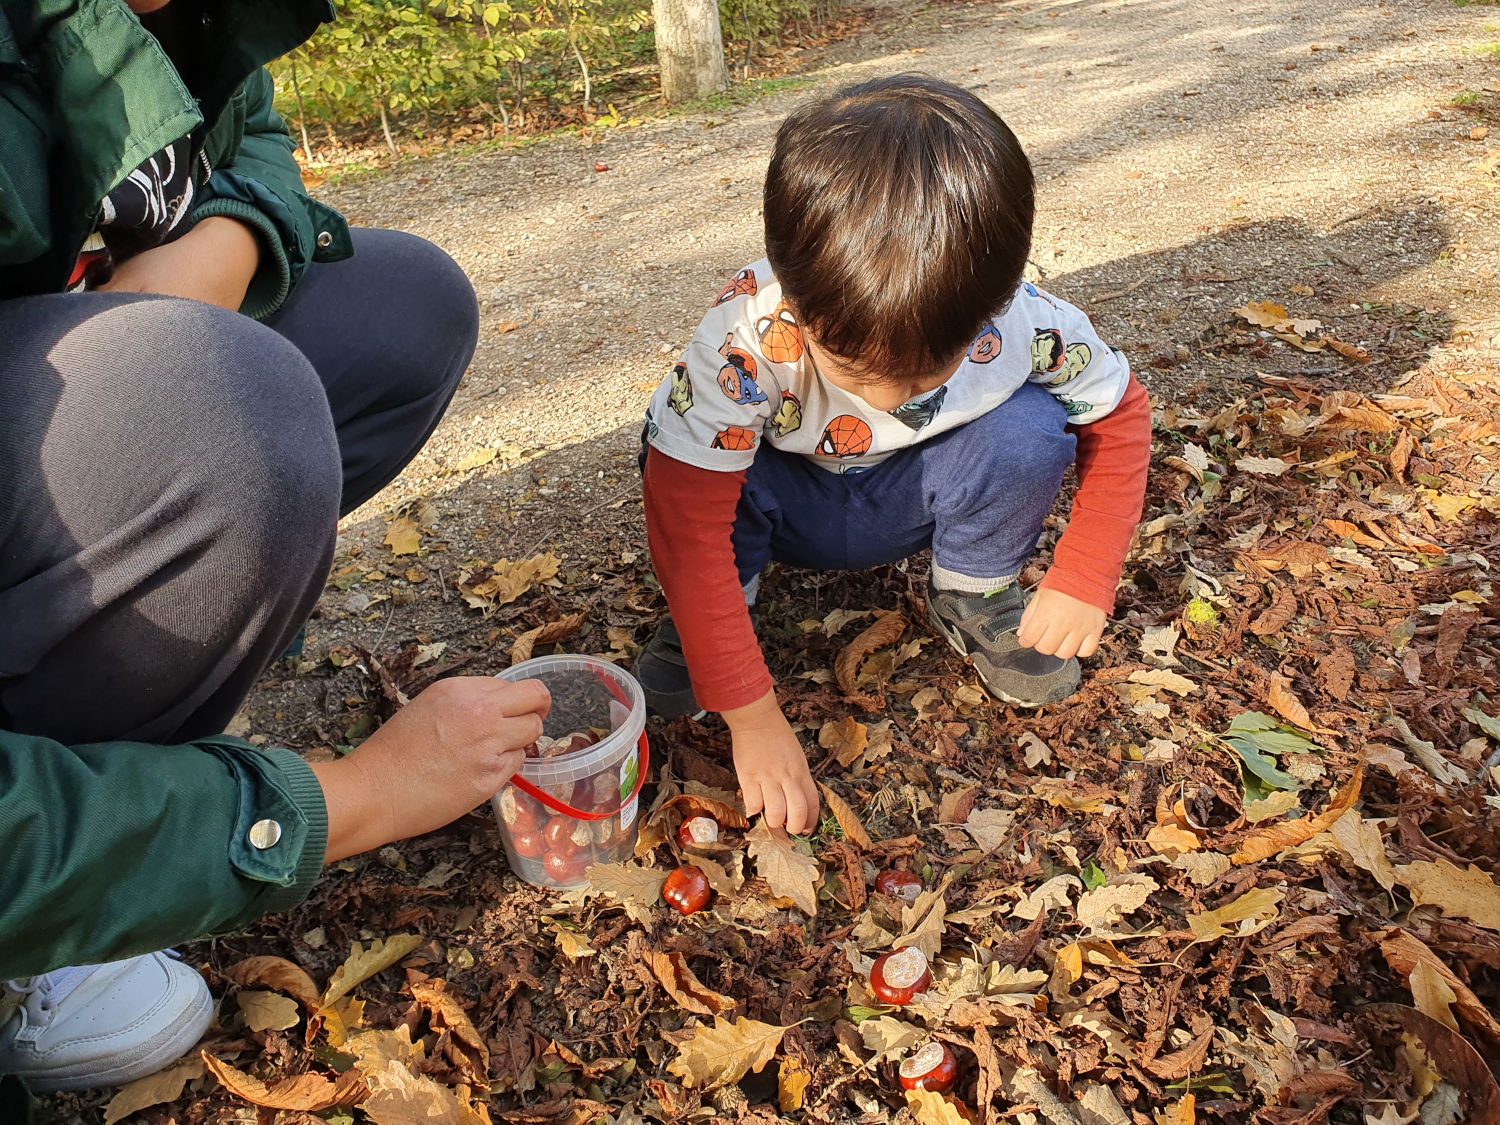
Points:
(198, 420)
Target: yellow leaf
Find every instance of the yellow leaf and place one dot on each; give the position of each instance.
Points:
(1278, 837)
(267, 1011)
(1171, 839)
(791, 874)
(922, 923)
(726, 1052)
(362, 963)
(1070, 962)
(887, 1036)
(791, 1083)
(1432, 995)
(1277, 803)
(154, 1089)
(403, 536)
(1447, 506)
(447, 1015)
(854, 831)
(1253, 911)
(509, 580)
(634, 887)
(1179, 1113)
(933, 1109)
(572, 944)
(1457, 892)
(1289, 707)
(847, 738)
(1360, 840)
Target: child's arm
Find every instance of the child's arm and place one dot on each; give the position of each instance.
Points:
(1068, 614)
(689, 517)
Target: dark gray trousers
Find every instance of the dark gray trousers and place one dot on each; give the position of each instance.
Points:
(171, 476)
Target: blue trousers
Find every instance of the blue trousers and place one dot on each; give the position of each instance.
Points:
(977, 495)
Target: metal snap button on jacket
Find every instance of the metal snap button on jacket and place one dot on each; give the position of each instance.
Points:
(325, 240)
(264, 834)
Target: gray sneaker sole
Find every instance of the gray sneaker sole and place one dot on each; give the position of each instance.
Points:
(955, 641)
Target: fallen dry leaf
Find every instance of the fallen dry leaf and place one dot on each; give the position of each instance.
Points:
(636, 888)
(550, 633)
(1267, 842)
(854, 831)
(791, 1084)
(725, 1053)
(1250, 913)
(1361, 841)
(1104, 906)
(363, 963)
(1164, 678)
(573, 945)
(1289, 707)
(307, 1093)
(846, 738)
(1432, 995)
(268, 1011)
(155, 1089)
(923, 922)
(928, 1108)
(887, 1037)
(1404, 952)
(1050, 895)
(279, 975)
(1460, 893)
(691, 994)
(790, 874)
(447, 1014)
(1278, 615)
(509, 580)
(886, 630)
(403, 536)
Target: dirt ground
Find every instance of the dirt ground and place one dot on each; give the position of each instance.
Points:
(1340, 160)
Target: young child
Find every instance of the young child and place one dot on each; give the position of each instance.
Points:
(883, 382)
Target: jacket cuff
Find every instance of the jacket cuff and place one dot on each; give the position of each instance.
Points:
(273, 278)
(302, 786)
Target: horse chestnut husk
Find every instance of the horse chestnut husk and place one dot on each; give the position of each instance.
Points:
(900, 976)
(899, 884)
(933, 1068)
(698, 830)
(686, 890)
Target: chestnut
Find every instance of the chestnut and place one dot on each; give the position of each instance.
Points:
(526, 843)
(698, 830)
(933, 1068)
(567, 836)
(596, 794)
(686, 890)
(565, 867)
(899, 976)
(519, 811)
(899, 884)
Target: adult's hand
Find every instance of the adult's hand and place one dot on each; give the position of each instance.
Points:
(448, 750)
(214, 263)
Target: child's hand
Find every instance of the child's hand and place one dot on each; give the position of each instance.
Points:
(1056, 624)
(772, 766)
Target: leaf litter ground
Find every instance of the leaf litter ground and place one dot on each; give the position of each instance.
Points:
(1245, 874)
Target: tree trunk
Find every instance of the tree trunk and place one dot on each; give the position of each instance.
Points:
(690, 48)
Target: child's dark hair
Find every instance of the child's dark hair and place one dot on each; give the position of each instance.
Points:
(898, 219)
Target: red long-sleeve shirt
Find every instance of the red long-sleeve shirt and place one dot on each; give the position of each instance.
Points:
(690, 514)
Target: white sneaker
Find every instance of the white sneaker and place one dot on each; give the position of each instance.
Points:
(103, 1025)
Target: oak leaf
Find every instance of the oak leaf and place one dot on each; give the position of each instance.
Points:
(1164, 678)
(923, 922)
(854, 831)
(1360, 840)
(634, 887)
(790, 873)
(725, 1053)
(1432, 995)
(1262, 466)
(447, 1014)
(887, 1036)
(846, 738)
(725, 878)
(928, 1108)
(363, 963)
(1105, 906)
(1053, 893)
(574, 945)
(886, 630)
(1250, 913)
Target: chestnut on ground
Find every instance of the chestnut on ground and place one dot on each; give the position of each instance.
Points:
(934, 1068)
(900, 976)
(686, 890)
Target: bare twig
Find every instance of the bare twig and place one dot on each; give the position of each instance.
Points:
(1100, 298)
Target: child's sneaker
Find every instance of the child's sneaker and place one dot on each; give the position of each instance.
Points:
(101, 1025)
(983, 628)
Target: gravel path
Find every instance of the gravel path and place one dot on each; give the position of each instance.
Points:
(1272, 142)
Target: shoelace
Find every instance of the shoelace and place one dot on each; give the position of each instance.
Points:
(54, 987)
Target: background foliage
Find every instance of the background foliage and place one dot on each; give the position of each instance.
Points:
(519, 65)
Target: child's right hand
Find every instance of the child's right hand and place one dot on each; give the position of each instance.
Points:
(772, 766)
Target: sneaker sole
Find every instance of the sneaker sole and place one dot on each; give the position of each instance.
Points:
(956, 643)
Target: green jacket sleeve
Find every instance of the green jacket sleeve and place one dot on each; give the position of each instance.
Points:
(120, 848)
(261, 185)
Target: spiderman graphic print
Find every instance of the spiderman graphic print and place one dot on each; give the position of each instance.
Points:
(747, 377)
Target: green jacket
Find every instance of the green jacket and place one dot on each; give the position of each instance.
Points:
(87, 94)
(120, 848)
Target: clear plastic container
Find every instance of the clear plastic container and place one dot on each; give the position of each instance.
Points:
(562, 814)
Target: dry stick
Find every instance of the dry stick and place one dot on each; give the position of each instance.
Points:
(1100, 298)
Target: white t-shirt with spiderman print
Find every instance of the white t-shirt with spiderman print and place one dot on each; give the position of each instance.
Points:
(746, 377)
